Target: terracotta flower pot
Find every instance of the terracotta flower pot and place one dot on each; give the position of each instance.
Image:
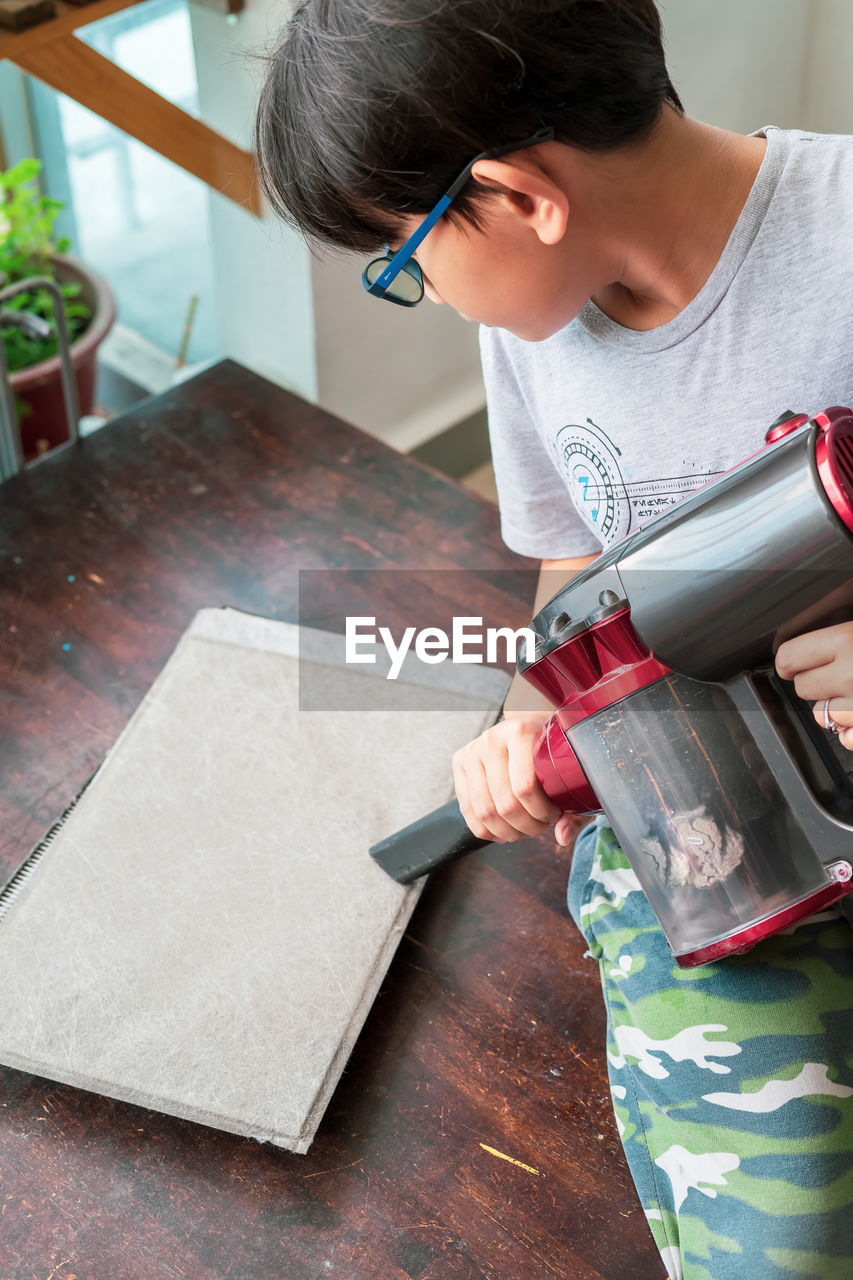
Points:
(39, 387)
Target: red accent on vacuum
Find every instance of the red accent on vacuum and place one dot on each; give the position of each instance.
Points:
(782, 429)
(560, 772)
(834, 458)
(745, 939)
(599, 665)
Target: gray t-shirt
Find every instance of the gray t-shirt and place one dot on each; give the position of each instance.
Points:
(599, 427)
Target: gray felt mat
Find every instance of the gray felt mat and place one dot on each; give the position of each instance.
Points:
(205, 932)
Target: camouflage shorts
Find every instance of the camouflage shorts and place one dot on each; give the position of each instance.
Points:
(732, 1083)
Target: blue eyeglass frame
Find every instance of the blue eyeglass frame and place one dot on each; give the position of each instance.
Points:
(400, 261)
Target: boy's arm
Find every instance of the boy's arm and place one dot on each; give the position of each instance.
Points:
(499, 794)
(553, 575)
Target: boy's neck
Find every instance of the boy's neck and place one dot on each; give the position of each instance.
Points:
(663, 214)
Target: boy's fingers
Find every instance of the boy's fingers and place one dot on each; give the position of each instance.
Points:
(528, 789)
(814, 649)
(818, 684)
(799, 655)
(463, 795)
(840, 710)
(496, 784)
(496, 807)
(476, 806)
(564, 830)
(834, 680)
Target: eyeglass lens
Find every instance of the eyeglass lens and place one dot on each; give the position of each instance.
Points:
(406, 285)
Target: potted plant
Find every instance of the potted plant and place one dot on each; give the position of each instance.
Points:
(28, 248)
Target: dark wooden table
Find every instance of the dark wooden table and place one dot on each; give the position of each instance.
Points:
(488, 1031)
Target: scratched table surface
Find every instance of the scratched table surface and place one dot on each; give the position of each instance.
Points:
(471, 1134)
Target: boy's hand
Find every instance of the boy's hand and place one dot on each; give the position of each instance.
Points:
(820, 663)
(496, 785)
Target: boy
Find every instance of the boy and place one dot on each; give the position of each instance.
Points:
(652, 293)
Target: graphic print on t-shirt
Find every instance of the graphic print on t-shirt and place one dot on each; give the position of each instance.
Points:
(609, 504)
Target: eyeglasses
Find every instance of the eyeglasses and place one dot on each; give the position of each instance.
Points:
(396, 276)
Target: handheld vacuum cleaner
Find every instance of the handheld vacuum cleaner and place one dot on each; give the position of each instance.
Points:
(733, 806)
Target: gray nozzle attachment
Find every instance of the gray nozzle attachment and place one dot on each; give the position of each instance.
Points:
(440, 837)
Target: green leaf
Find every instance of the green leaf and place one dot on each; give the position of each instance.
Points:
(27, 220)
(23, 171)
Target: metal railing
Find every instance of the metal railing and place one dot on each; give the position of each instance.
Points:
(11, 449)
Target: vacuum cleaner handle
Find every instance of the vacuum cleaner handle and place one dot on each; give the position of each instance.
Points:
(440, 837)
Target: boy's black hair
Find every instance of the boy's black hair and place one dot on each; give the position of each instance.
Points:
(371, 107)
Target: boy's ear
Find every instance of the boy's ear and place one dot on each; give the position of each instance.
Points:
(530, 194)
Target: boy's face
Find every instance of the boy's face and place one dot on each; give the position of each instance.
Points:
(506, 274)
